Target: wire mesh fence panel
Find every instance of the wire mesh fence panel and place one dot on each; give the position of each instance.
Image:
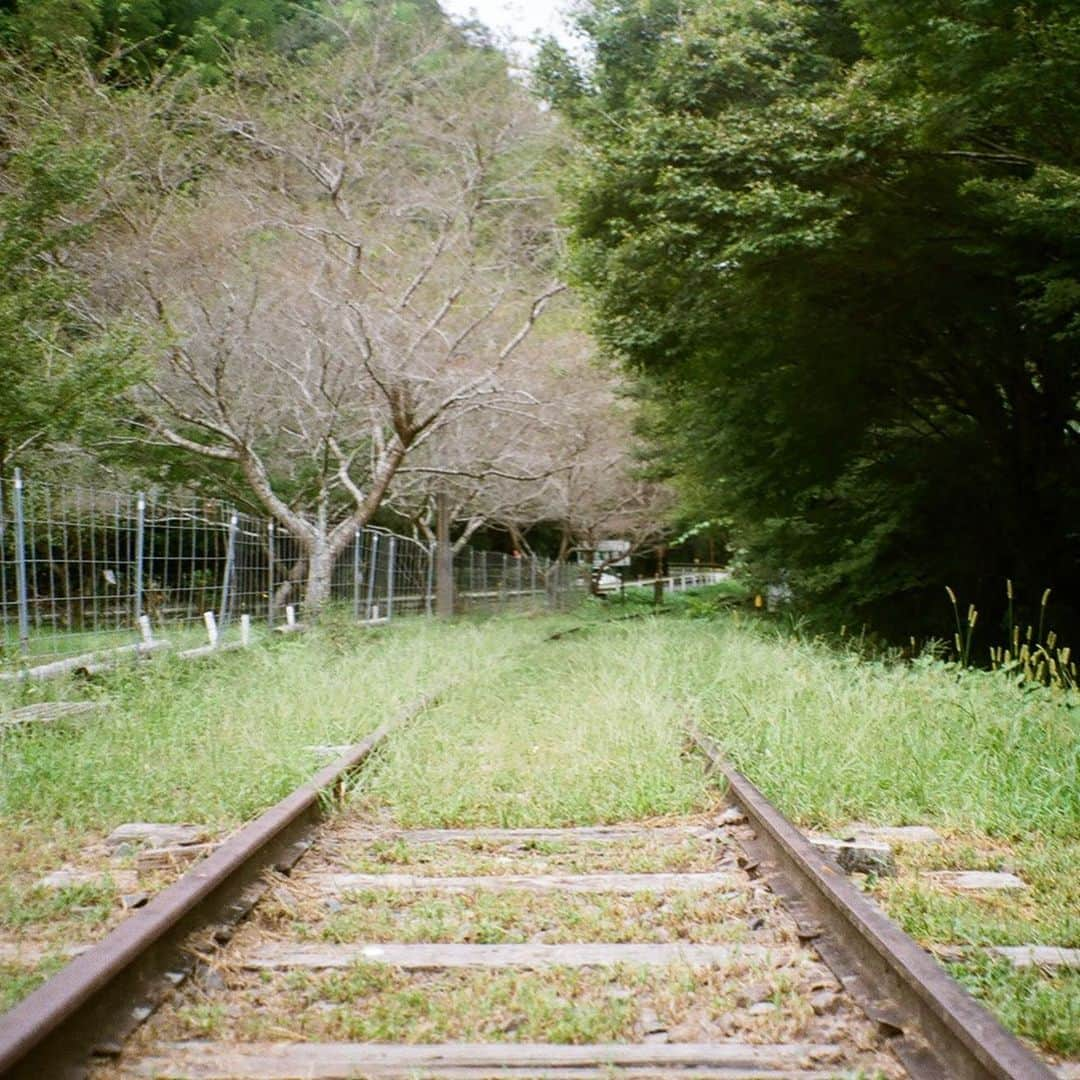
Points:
(12, 613)
(413, 578)
(185, 554)
(82, 569)
(487, 581)
(286, 571)
(70, 580)
(79, 567)
(250, 588)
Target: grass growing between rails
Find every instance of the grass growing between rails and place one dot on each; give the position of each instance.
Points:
(574, 733)
(217, 741)
(586, 729)
(212, 742)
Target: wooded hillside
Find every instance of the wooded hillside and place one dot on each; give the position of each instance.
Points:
(312, 257)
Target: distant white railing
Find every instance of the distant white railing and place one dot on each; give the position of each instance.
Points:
(676, 580)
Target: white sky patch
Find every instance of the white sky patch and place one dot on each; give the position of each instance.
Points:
(516, 21)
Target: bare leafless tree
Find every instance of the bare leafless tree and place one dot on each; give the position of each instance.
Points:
(567, 460)
(602, 495)
(354, 289)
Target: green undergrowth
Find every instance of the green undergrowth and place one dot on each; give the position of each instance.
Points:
(16, 982)
(1040, 1006)
(587, 729)
(834, 738)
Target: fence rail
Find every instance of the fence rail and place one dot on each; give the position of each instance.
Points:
(81, 568)
(681, 579)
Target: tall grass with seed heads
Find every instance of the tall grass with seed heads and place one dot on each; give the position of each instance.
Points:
(1028, 658)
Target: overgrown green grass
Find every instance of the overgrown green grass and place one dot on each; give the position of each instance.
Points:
(835, 738)
(1044, 1008)
(572, 733)
(587, 729)
(216, 741)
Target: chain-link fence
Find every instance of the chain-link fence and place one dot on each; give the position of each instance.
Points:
(85, 571)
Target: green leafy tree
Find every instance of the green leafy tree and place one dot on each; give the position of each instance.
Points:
(132, 38)
(42, 24)
(839, 241)
(60, 370)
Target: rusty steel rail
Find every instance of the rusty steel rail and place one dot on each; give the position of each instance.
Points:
(937, 1029)
(87, 1009)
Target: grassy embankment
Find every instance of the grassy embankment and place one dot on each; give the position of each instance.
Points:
(587, 729)
(834, 740)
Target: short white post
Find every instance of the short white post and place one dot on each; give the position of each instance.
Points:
(211, 627)
(245, 629)
(290, 615)
(146, 630)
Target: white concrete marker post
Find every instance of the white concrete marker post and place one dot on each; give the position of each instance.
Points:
(211, 627)
(290, 615)
(245, 630)
(146, 630)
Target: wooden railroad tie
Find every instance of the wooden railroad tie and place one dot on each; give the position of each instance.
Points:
(618, 884)
(430, 956)
(477, 1061)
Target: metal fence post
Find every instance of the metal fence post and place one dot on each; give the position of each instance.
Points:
(373, 555)
(390, 579)
(430, 579)
(444, 573)
(3, 566)
(357, 573)
(140, 539)
(20, 567)
(270, 573)
(230, 559)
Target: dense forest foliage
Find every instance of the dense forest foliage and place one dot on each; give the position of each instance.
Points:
(84, 83)
(126, 39)
(839, 242)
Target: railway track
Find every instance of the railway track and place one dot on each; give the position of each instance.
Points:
(327, 945)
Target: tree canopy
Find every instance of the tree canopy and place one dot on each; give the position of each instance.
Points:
(61, 370)
(838, 239)
(128, 37)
